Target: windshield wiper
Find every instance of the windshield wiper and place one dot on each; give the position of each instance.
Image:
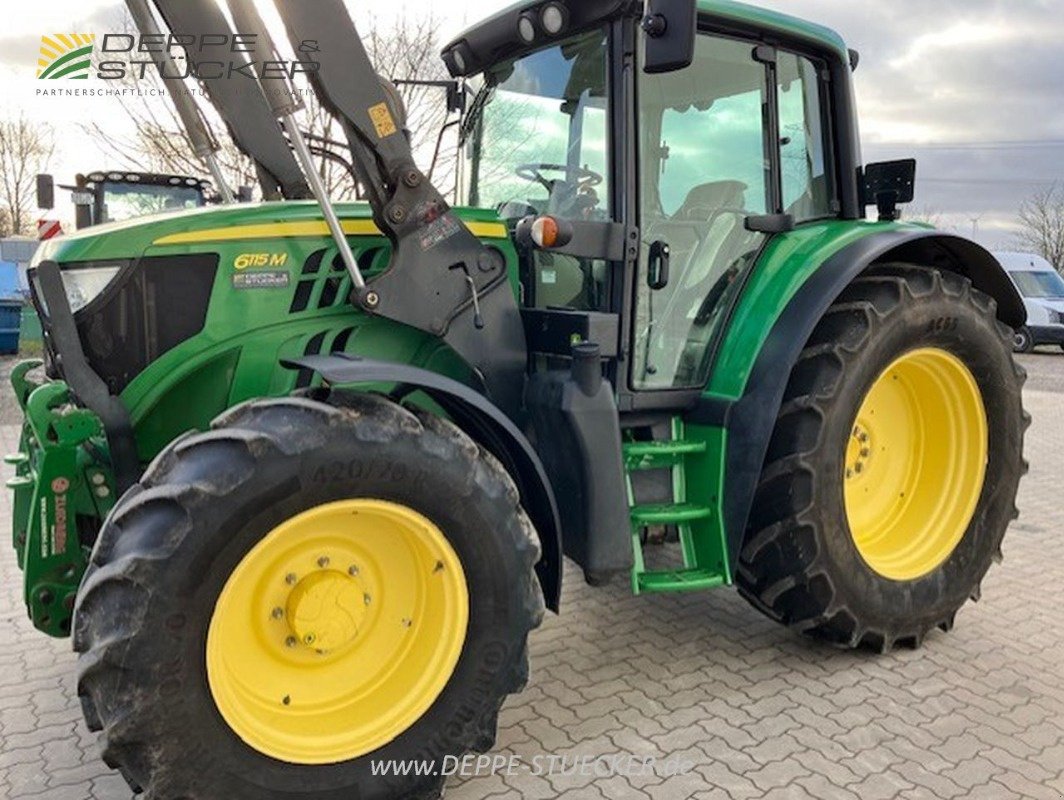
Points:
(475, 109)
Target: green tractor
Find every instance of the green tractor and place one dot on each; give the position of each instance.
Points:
(300, 477)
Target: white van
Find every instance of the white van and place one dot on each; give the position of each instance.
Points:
(1042, 288)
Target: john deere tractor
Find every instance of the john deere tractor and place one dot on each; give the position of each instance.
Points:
(299, 477)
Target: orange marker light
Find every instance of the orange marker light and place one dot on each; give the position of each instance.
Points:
(545, 232)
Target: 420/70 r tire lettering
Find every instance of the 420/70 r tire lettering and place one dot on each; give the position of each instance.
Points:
(334, 471)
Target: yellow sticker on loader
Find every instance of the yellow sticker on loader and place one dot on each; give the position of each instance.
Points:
(382, 120)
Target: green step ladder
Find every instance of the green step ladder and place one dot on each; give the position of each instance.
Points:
(672, 455)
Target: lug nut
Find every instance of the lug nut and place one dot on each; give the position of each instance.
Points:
(352, 571)
(278, 613)
(323, 562)
(291, 579)
(291, 641)
(367, 598)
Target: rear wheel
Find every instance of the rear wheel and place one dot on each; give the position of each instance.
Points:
(307, 590)
(893, 469)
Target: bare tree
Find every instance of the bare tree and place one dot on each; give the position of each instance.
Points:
(404, 50)
(1042, 225)
(25, 149)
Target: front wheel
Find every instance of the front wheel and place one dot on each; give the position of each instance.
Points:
(893, 469)
(302, 597)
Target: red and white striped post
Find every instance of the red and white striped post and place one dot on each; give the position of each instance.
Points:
(48, 229)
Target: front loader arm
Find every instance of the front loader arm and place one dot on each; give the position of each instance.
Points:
(239, 102)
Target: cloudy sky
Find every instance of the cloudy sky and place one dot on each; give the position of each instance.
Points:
(973, 88)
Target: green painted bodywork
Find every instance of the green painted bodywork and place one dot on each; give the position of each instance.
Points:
(248, 332)
(786, 264)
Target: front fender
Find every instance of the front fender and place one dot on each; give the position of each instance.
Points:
(486, 424)
(749, 382)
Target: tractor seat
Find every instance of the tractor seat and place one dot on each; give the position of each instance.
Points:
(706, 198)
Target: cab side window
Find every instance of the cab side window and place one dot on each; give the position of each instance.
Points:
(806, 180)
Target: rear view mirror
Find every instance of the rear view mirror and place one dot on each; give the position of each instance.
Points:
(888, 184)
(45, 192)
(670, 27)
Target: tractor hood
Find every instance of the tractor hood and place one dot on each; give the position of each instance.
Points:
(199, 229)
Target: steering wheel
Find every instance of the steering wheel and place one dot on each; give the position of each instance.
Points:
(534, 172)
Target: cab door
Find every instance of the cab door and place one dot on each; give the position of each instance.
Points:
(725, 144)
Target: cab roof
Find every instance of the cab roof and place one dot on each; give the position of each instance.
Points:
(495, 37)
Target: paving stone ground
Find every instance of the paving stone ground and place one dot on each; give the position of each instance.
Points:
(752, 710)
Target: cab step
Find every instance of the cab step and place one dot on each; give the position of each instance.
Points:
(684, 580)
(668, 513)
(659, 455)
(703, 567)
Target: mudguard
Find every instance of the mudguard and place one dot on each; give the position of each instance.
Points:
(483, 421)
(751, 420)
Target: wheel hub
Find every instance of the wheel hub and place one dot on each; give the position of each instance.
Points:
(325, 609)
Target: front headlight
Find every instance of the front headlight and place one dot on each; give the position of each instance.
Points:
(85, 284)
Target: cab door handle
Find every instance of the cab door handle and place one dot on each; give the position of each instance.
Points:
(658, 265)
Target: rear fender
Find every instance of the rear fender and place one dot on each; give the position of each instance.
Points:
(486, 424)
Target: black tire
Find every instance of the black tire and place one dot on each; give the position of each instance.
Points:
(799, 563)
(1022, 341)
(170, 544)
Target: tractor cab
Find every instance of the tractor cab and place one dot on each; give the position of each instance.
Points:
(695, 165)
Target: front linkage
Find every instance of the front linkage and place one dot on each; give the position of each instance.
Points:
(62, 489)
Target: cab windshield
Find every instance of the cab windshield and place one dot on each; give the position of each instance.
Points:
(121, 201)
(535, 141)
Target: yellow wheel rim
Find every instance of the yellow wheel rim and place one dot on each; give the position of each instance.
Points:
(337, 632)
(915, 464)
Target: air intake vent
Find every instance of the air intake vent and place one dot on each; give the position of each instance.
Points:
(332, 286)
